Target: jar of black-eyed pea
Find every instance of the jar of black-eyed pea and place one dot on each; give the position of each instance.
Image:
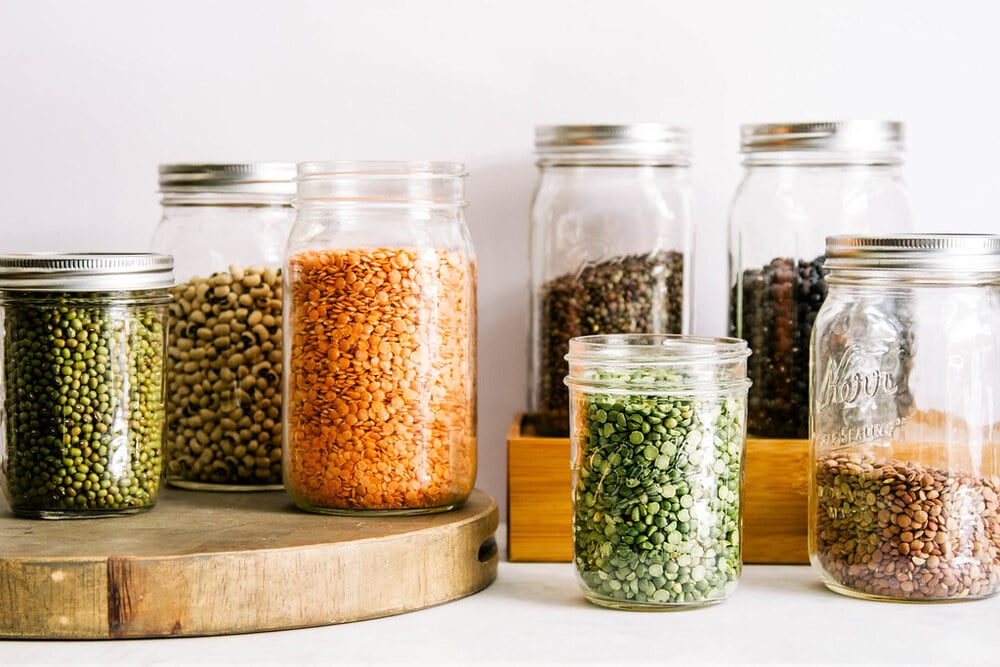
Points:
(82, 357)
(657, 430)
(226, 225)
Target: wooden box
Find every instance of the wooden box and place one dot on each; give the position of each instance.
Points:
(539, 505)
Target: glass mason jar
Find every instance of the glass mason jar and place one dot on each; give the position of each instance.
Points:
(657, 432)
(380, 338)
(611, 245)
(905, 431)
(226, 226)
(82, 339)
(803, 182)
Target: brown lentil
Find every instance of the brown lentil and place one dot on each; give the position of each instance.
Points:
(381, 381)
(224, 365)
(902, 530)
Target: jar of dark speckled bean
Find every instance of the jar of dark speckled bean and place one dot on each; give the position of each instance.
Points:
(803, 182)
(82, 342)
(611, 246)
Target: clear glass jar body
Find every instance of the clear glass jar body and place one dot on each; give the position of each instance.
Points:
(82, 400)
(380, 337)
(611, 252)
(785, 207)
(905, 433)
(657, 435)
(224, 362)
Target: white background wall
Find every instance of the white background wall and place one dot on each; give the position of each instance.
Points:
(93, 95)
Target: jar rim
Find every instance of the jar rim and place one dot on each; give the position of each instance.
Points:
(657, 349)
(639, 144)
(320, 169)
(85, 271)
(945, 257)
(848, 136)
(234, 178)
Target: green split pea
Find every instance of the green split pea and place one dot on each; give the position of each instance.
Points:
(657, 498)
(83, 404)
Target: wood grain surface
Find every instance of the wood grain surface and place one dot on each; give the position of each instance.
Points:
(540, 512)
(202, 563)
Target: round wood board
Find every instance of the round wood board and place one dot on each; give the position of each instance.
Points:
(202, 563)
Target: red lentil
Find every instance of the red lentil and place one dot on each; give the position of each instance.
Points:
(381, 392)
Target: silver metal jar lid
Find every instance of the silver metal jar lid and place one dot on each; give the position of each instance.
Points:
(49, 272)
(266, 178)
(949, 253)
(665, 144)
(876, 136)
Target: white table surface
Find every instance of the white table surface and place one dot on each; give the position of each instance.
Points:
(534, 613)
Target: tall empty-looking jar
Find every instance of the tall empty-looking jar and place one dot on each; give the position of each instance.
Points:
(611, 245)
(380, 338)
(81, 408)
(905, 434)
(226, 225)
(803, 182)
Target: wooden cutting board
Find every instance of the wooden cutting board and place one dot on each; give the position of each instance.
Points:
(202, 563)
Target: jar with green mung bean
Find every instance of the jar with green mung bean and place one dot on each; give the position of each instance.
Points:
(226, 226)
(82, 404)
(657, 428)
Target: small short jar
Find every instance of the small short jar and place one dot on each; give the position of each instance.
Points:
(226, 226)
(82, 356)
(657, 428)
(380, 339)
(905, 418)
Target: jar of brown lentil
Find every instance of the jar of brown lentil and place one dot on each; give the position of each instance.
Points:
(380, 339)
(612, 239)
(226, 226)
(905, 418)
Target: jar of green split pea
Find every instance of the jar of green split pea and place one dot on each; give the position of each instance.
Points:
(657, 428)
(82, 344)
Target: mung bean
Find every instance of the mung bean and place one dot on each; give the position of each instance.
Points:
(83, 404)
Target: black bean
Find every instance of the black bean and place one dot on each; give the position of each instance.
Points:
(779, 305)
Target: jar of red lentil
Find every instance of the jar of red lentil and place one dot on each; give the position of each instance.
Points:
(380, 340)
